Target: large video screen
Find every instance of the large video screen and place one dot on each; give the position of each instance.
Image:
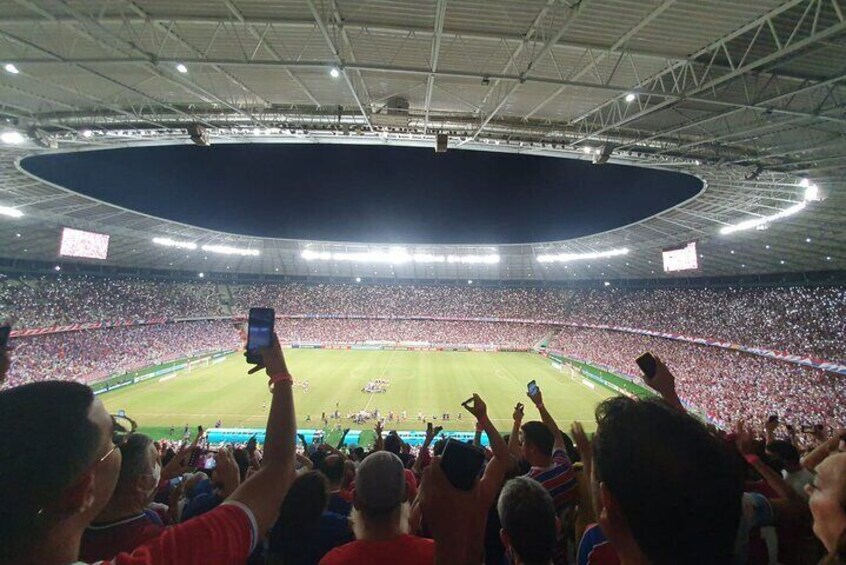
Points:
(86, 244)
(681, 258)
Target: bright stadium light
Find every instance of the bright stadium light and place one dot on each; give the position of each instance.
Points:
(334, 72)
(11, 212)
(201, 275)
(167, 242)
(182, 68)
(11, 68)
(12, 137)
(396, 256)
(87, 133)
(763, 220)
(630, 97)
(474, 259)
(229, 250)
(568, 257)
(812, 193)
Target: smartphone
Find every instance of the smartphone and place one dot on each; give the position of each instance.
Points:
(647, 364)
(211, 463)
(462, 463)
(532, 387)
(5, 332)
(259, 332)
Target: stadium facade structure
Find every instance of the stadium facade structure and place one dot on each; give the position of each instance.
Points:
(747, 95)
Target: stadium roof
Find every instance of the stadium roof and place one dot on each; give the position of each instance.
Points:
(748, 95)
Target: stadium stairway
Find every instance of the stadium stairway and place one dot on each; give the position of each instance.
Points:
(225, 295)
(544, 341)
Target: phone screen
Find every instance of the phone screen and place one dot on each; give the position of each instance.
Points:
(259, 332)
(647, 364)
(532, 388)
(462, 463)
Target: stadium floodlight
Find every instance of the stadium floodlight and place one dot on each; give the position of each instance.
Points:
(428, 258)
(229, 250)
(489, 259)
(586, 150)
(396, 256)
(182, 68)
(334, 72)
(11, 212)
(630, 97)
(12, 137)
(812, 193)
(201, 275)
(568, 257)
(763, 220)
(168, 242)
(11, 68)
(87, 133)
(805, 183)
(310, 255)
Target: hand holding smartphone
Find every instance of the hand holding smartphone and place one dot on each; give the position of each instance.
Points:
(534, 392)
(647, 365)
(259, 332)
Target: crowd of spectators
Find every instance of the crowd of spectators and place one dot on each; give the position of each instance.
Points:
(727, 385)
(500, 334)
(798, 320)
(89, 355)
(654, 485)
(43, 301)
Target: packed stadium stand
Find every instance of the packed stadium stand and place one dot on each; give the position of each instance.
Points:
(725, 384)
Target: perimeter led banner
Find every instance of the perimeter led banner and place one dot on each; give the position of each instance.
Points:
(85, 244)
(681, 258)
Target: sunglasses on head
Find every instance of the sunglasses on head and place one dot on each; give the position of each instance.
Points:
(122, 427)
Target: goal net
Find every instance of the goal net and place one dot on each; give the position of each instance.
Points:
(199, 363)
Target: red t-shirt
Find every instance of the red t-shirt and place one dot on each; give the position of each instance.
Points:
(405, 549)
(225, 535)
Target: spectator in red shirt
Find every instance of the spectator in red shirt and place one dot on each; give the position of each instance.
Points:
(380, 518)
(126, 522)
(529, 524)
(49, 495)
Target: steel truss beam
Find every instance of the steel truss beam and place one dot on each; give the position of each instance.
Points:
(440, 16)
(752, 47)
(342, 67)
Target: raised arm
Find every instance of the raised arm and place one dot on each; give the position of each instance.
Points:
(380, 441)
(558, 438)
(265, 490)
(664, 383)
(494, 474)
(514, 438)
(423, 457)
(822, 451)
(789, 505)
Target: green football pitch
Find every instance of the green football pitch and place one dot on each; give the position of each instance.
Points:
(420, 381)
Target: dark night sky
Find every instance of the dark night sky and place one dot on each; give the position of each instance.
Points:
(369, 193)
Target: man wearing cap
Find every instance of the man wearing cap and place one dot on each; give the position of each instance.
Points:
(380, 518)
